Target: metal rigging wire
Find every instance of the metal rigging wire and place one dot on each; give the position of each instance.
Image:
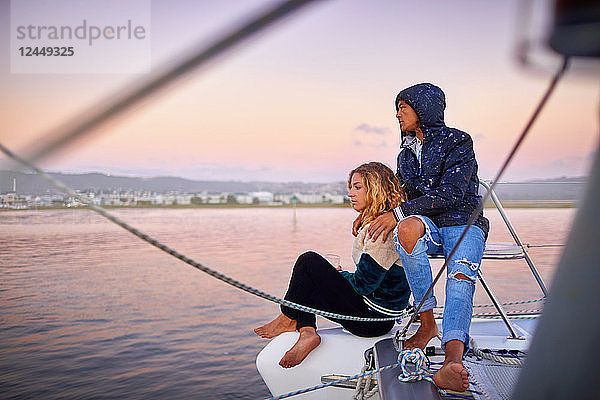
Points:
(125, 99)
(128, 99)
(154, 242)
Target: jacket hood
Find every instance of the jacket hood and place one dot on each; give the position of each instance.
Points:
(428, 101)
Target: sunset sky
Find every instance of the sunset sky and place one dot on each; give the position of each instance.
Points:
(312, 97)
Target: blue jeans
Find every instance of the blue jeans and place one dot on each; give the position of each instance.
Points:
(459, 292)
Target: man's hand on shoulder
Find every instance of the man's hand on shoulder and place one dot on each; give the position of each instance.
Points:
(384, 224)
(356, 225)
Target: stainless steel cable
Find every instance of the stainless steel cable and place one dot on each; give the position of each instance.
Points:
(147, 238)
(125, 99)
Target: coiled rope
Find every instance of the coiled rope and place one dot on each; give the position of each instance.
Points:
(421, 363)
(215, 274)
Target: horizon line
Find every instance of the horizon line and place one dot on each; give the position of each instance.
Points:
(110, 175)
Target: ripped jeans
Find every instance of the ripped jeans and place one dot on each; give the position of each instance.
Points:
(459, 292)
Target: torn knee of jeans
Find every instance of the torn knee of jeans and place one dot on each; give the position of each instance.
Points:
(399, 245)
(409, 252)
(472, 265)
(427, 235)
(459, 276)
(466, 274)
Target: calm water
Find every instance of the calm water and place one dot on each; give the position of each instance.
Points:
(89, 311)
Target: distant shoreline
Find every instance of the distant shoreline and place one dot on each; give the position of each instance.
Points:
(505, 204)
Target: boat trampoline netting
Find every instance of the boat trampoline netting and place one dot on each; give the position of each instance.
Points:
(496, 380)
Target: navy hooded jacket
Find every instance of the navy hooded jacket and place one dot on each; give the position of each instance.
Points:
(445, 186)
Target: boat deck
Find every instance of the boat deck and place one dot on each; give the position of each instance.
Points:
(390, 388)
(490, 378)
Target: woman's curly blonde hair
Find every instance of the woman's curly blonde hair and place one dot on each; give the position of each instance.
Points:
(383, 190)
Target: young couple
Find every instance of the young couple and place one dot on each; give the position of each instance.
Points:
(426, 205)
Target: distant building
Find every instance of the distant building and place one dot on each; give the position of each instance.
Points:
(130, 198)
(334, 198)
(13, 200)
(47, 200)
(284, 198)
(216, 198)
(309, 198)
(262, 197)
(184, 199)
(243, 198)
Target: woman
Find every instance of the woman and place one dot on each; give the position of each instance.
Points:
(378, 288)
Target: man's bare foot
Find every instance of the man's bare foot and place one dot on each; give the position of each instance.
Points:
(452, 376)
(276, 327)
(424, 334)
(309, 339)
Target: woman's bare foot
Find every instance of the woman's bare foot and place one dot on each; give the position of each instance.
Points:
(309, 340)
(276, 327)
(452, 376)
(424, 334)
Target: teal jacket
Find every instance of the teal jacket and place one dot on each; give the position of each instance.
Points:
(379, 277)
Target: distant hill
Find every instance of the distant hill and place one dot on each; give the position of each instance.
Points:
(34, 184)
(564, 188)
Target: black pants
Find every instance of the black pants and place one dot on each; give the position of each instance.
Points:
(316, 283)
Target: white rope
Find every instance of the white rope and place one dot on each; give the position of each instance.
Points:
(498, 316)
(518, 314)
(514, 313)
(363, 386)
(215, 274)
(509, 303)
(503, 360)
(494, 357)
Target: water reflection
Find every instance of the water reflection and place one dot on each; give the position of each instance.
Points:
(87, 310)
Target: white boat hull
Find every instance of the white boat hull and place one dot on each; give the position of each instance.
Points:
(342, 353)
(339, 353)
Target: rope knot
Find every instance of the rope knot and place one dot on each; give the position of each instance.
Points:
(421, 366)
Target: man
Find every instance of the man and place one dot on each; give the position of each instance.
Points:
(439, 173)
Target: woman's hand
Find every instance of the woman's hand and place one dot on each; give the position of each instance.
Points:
(356, 224)
(383, 224)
